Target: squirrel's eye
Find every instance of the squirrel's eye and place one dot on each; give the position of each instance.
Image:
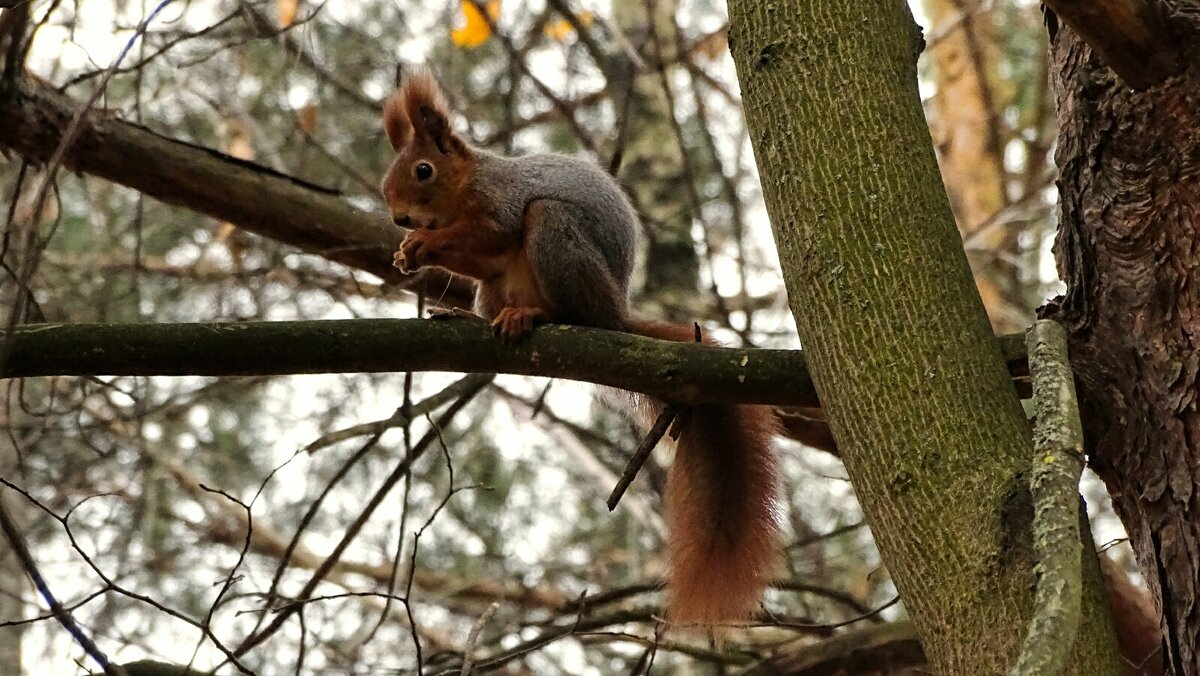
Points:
(423, 171)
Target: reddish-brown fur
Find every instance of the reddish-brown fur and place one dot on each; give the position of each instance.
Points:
(722, 514)
(417, 124)
(722, 487)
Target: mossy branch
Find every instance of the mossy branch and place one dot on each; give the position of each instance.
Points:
(685, 373)
(1057, 466)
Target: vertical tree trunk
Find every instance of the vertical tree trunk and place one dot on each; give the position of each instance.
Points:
(963, 120)
(1127, 249)
(931, 431)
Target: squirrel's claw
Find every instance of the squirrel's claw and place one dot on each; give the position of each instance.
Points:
(400, 262)
(514, 323)
(414, 252)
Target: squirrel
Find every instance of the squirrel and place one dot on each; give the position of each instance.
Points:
(551, 238)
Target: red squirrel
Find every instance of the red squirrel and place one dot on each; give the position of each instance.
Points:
(551, 238)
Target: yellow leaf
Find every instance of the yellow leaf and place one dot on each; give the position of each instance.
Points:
(560, 29)
(226, 232)
(712, 46)
(239, 144)
(475, 30)
(286, 9)
(307, 117)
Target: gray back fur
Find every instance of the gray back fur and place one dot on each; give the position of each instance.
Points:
(511, 183)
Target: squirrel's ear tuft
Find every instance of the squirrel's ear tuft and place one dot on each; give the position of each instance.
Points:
(428, 112)
(396, 124)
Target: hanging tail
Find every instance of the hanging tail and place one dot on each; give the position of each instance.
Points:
(721, 500)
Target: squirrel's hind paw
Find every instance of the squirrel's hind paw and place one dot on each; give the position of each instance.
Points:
(514, 323)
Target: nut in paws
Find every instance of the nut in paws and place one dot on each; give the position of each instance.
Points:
(416, 251)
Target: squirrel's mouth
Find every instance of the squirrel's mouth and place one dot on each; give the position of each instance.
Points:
(410, 223)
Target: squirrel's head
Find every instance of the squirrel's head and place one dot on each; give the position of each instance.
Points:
(429, 177)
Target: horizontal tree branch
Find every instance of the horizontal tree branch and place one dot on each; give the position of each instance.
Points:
(880, 649)
(251, 196)
(1132, 37)
(684, 373)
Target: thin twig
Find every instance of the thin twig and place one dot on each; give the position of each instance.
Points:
(643, 451)
(556, 101)
(64, 521)
(400, 418)
(837, 625)
(473, 638)
(352, 531)
(311, 514)
(17, 543)
(451, 491)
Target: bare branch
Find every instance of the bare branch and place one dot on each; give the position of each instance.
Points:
(401, 469)
(17, 543)
(683, 373)
(882, 649)
(640, 455)
(256, 198)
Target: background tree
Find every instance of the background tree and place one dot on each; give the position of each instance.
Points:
(1127, 227)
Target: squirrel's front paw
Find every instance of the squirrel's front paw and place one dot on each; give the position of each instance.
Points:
(416, 251)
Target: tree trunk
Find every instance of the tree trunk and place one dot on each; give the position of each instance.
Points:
(1127, 242)
(964, 122)
(932, 433)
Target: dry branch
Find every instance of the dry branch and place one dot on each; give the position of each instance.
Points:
(251, 196)
(880, 649)
(640, 455)
(684, 373)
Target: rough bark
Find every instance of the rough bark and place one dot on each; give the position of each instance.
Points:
(1133, 37)
(248, 195)
(933, 438)
(1130, 203)
(895, 650)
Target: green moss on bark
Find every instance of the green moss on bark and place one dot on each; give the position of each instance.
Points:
(897, 340)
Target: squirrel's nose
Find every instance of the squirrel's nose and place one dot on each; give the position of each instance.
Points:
(402, 221)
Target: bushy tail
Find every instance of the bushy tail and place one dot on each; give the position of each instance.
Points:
(722, 511)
